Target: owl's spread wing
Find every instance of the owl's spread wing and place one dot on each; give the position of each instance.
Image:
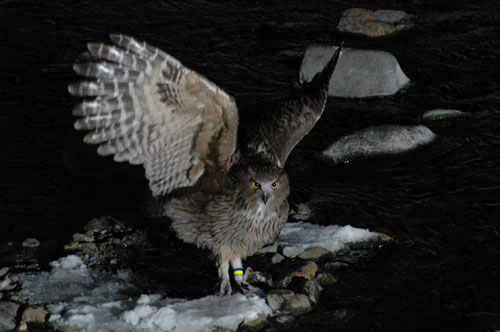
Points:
(275, 135)
(150, 109)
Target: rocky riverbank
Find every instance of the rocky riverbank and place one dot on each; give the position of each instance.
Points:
(85, 288)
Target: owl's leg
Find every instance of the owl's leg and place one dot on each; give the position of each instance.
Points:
(225, 283)
(241, 279)
(239, 276)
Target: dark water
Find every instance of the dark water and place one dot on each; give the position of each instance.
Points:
(441, 203)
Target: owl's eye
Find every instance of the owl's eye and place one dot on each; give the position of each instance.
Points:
(255, 185)
(275, 185)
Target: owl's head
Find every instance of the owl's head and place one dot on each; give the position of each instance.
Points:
(264, 185)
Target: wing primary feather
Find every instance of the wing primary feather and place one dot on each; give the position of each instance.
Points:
(280, 131)
(147, 108)
(322, 79)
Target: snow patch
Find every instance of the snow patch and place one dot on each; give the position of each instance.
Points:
(98, 301)
(299, 236)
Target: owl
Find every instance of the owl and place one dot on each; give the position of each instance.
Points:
(143, 106)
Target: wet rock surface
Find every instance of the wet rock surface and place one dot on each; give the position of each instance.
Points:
(358, 74)
(377, 141)
(374, 23)
(439, 119)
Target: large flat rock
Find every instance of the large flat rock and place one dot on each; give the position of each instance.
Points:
(374, 23)
(359, 73)
(378, 141)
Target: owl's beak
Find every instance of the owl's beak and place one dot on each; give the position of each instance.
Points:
(264, 196)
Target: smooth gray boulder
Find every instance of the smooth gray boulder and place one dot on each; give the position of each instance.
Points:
(359, 73)
(374, 23)
(439, 114)
(377, 141)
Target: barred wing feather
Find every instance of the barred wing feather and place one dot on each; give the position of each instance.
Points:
(150, 109)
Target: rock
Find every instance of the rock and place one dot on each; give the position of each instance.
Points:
(300, 212)
(276, 297)
(306, 270)
(12, 285)
(377, 141)
(313, 290)
(8, 313)
(326, 278)
(35, 314)
(378, 23)
(285, 319)
(384, 237)
(277, 258)
(4, 271)
(359, 73)
(440, 114)
(104, 240)
(258, 322)
(79, 237)
(297, 304)
(256, 277)
(5, 283)
(314, 253)
(344, 249)
(336, 265)
(31, 243)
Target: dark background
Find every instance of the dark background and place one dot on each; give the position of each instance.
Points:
(440, 203)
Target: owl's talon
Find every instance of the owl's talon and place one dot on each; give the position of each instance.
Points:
(249, 290)
(247, 273)
(225, 287)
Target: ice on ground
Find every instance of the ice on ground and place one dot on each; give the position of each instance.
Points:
(197, 315)
(299, 236)
(98, 301)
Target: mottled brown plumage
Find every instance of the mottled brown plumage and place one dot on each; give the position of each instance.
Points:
(149, 109)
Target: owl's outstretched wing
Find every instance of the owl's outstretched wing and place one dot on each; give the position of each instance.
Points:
(150, 109)
(274, 135)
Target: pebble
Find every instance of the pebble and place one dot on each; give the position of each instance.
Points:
(384, 237)
(277, 258)
(358, 74)
(306, 270)
(297, 304)
(35, 314)
(276, 297)
(370, 23)
(259, 321)
(256, 277)
(79, 237)
(4, 271)
(5, 283)
(300, 212)
(325, 278)
(440, 114)
(336, 265)
(8, 313)
(314, 253)
(377, 141)
(30, 243)
(285, 319)
(313, 290)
